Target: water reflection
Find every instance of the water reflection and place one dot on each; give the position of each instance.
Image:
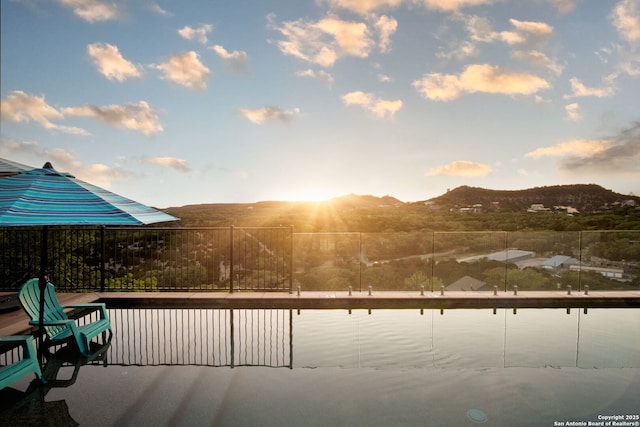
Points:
(32, 407)
(201, 337)
(384, 338)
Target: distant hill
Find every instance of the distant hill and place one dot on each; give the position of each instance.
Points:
(373, 214)
(584, 197)
(329, 213)
(356, 201)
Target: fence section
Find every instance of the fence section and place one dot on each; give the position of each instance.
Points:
(276, 259)
(151, 258)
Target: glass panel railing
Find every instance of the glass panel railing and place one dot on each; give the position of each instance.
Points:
(327, 261)
(610, 260)
(545, 261)
(470, 261)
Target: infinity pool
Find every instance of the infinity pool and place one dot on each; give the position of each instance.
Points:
(534, 367)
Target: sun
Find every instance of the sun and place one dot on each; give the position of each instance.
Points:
(308, 195)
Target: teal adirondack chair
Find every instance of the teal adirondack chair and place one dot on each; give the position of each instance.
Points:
(26, 365)
(57, 325)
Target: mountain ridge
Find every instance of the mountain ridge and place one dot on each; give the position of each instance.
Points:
(580, 195)
(583, 197)
(372, 213)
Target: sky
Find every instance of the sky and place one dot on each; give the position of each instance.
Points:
(174, 103)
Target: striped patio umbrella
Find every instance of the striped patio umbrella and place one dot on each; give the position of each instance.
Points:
(44, 197)
(48, 197)
(9, 167)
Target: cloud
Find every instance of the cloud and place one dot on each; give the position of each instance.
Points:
(323, 76)
(579, 89)
(95, 173)
(93, 10)
(625, 16)
(563, 6)
(168, 162)
(478, 78)
(618, 154)
(531, 30)
(527, 37)
(363, 7)
(139, 117)
(199, 34)
(19, 107)
(582, 148)
(237, 59)
(459, 51)
(573, 112)
(529, 33)
(329, 39)
(185, 69)
(10, 147)
(261, 115)
(368, 101)
(627, 60)
(156, 8)
(539, 59)
(386, 27)
(479, 28)
(65, 161)
(454, 5)
(110, 62)
(461, 168)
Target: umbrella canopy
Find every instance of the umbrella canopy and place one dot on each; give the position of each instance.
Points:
(48, 197)
(9, 167)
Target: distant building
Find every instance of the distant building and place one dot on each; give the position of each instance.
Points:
(474, 209)
(511, 255)
(559, 261)
(538, 207)
(468, 283)
(568, 209)
(612, 273)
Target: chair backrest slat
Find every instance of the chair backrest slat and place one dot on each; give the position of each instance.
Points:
(30, 298)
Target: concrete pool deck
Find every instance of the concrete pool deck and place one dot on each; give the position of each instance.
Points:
(15, 322)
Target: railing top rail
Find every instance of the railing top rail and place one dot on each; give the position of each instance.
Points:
(473, 232)
(281, 227)
(329, 232)
(286, 227)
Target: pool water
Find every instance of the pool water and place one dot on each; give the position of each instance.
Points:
(537, 367)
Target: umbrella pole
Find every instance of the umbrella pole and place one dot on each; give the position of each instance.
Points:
(42, 282)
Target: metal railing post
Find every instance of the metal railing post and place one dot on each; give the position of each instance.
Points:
(506, 270)
(360, 263)
(231, 267)
(433, 256)
(579, 260)
(291, 258)
(103, 258)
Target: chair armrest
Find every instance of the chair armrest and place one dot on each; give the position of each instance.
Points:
(62, 322)
(15, 339)
(90, 306)
(94, 305)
